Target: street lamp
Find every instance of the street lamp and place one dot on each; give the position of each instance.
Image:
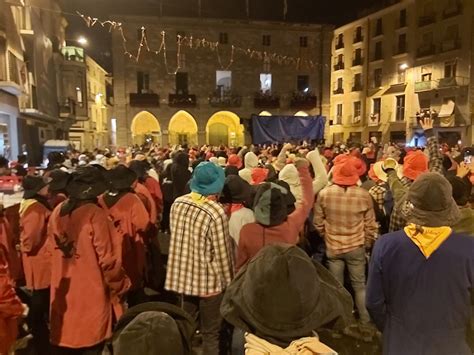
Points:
(82, 40)
(403, 66)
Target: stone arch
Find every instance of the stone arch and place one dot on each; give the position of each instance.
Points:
(183, 129)
(224, 128)
(301, 114)
(145, 126)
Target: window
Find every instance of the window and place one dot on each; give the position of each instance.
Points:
(223, 79)
(452, 32)
(182, 83)
(303, 41)
(357, 57)
(401, 74)
(400, 108)
(182, 60)
(340, 59)
(376, 106)
(426, 77)
(378, 27)
(223, 38)
(266, 83)
(267, 64)
(266, 40)
(358, 34)
(403, 18)
(143, 82)
(378, 77)
(402, 43)
(339, 114)
(425, 104)
(302, 83)
(79, 96)
(357, 110)
(339, 83)
(357, 82)
(450, 69)
(340, 41)
(378, 51)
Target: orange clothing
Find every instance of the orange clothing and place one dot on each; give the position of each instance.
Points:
(145, 196)
(86, 276)
(154, 187)
(129, 217)
(7, 241)
(10, 307)
(36, 252)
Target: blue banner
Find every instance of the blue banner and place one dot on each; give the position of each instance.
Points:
(280, 129)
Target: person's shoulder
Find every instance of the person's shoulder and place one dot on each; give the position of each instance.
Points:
(392, 238)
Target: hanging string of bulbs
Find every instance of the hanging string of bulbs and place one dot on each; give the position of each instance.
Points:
(193, 43)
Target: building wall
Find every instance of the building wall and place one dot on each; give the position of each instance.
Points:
(201, 65)
(421, 55)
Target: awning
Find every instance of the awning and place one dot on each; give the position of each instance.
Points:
(396, 89)
(447, 109)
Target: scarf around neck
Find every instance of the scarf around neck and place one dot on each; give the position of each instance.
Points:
(304, 346)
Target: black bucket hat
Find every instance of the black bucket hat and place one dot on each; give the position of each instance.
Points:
(282, 294)
(121, 178)
(140, 168)
(430, 202)
(236, 190)
(59, 180)
(33, 184)
(86, 184)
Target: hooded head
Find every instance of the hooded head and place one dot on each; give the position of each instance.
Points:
(208, 179)
(290, 175)
(415, 164)
(59, 180)
(121, 178)
(461, 190)
(250, 160)
(236, 190)
(86, 184)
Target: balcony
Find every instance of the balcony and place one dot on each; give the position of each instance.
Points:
(9, 77)
(357, 61)
(67, 108)
(427, 85)
(426, 20)
(266, 100)
(357, 87)
(339, 66)
(303, 101)
(339, 45)
(358, 38)
(182, 100)
(377, 56)
(338, 91)
(225, 99)
(450, 45)
(73, 54)
(144, 100)
(426, 50)
(453, 82)
(452, 11)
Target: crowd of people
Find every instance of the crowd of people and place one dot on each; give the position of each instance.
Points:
(267, 246)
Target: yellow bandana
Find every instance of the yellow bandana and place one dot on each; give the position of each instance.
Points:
(427, 239)
(304, 346)
(198, 198)
(25, 204)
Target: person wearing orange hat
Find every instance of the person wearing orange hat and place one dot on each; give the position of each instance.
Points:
(344, 216)
(414, 164)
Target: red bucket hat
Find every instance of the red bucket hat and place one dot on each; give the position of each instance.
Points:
(346, 171)
(234, 160)
(415, 164)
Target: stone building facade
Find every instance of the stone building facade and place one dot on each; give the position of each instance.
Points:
(402, 63)
(208, 100)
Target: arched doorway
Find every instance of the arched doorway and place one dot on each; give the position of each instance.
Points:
(145, 126)
(301, 114)
(224, 128)
(182, 129)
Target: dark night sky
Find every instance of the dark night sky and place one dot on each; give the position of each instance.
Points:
(313, 11)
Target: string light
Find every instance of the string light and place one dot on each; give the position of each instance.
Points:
(195, 43)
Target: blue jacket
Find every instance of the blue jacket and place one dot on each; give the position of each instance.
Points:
(423, 306)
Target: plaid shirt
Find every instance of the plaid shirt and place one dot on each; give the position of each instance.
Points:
(345, 218)
(397, 221)
(378, 194)
(201, 258)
